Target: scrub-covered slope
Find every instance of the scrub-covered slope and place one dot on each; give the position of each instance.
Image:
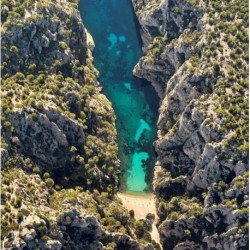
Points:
(52, 107)
(59, 152)
(196, 56)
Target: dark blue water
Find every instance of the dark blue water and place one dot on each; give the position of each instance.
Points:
(115, 31)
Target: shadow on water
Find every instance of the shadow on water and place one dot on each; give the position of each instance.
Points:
(115, 30)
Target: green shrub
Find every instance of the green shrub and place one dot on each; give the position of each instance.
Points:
(34, 116)
(49, 182)
(139, 228)
(39, 106)
(222, 185)
(173, 216)
(18, 202)
(32, 66)
(73, 149)
(24, 211)
(36, 170)
(41, 231)
(246, 175)
(44, 238)
(46, 175)
(63, 45)
(132, 214)
(40, 79)
(245, 226)
(34, 18)
(187, 232)
(150, 216)
(239, 184)
(19, 217)
(19, 76)
(244, 147)
(68, 219)
(244, 211)
(14, 49)
(8, 126)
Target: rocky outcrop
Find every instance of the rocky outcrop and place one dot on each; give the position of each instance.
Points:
(43, 40)
(160, 65)
(46, 134)
(80, 231)
(164, 17)
(45, 218)
(199, 156)
(77, 231)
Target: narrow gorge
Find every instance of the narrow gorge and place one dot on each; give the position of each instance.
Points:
(124, 125)
(117, 49)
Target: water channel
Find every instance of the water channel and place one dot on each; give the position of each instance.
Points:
(115, 31)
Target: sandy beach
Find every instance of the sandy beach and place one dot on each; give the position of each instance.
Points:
(142, 205)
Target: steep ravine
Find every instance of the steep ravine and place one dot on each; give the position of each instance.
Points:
(201, 182)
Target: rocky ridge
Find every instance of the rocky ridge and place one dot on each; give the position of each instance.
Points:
(51, 97)
(201, 182)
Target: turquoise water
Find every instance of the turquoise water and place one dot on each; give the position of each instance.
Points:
(117, 49)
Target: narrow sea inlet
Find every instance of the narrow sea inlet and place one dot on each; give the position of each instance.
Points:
(115, 31)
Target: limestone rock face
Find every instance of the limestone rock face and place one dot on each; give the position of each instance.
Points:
(53, 245)
(4, 155)
(46, 135)
(80, 230)
(86, 233)
(201, 177)
(39, 36)
(27, 234)
(164, 17)
(164, 65)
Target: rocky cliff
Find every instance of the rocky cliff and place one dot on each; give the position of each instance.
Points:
(196, 57)
(52, 106)
(59, 152)
(36, 216)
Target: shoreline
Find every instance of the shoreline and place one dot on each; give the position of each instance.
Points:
(136, 193)
(142, 203)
